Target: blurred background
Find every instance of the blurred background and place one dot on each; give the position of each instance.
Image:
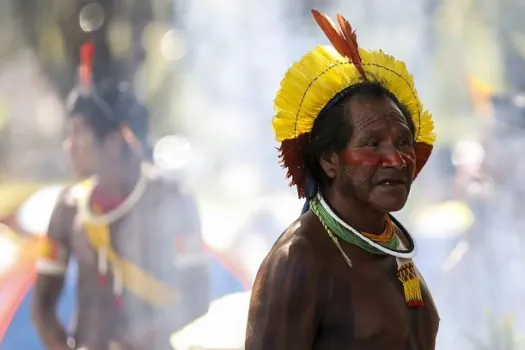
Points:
(208, 70)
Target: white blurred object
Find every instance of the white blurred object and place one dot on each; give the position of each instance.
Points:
(252, 250)
(284, 205)
(173, 45)
(91, 17)
(455, 256)
(519, 100)
(222, 328)
(34, 215)
(172, 152)
(445, 220)
(220, 221)
(242, 181)
(228, 128)
(468, 154)
(9, 249)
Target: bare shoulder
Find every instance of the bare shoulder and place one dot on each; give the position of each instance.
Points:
(288, 291)
(297, 249)
(69, 196)
(304, 237)
(53, 260)
(65, 210)
(292, 244)
(293, 262)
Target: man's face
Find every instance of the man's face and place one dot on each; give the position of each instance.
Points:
(80, 144)
(378, 165)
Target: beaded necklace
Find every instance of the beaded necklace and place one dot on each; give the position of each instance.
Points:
(387, 238)
(387, 243)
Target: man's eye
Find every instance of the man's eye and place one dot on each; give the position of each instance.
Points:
(371, 143)
(405, 142)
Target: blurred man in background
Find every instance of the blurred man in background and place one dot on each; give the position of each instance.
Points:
(135, 234)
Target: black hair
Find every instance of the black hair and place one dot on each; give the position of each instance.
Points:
(332, 130)
(107, 108)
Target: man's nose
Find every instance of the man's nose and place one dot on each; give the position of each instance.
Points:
(392, 158)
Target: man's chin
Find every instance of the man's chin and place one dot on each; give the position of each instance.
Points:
(390, 203)
(393, 208)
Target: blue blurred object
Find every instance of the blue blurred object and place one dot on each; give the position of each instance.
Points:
(22, 335)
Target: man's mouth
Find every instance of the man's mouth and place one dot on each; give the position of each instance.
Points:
(391, 182)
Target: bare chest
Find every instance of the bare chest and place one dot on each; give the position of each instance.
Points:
(128, 237)
(367, 310)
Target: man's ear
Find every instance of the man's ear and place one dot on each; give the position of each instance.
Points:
(330, 162)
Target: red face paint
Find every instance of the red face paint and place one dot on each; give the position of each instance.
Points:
(369, 158)
(393, 158)
(409, 157)
(361, 157)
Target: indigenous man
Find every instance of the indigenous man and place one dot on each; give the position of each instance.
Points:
(134, 234)
(353, 135)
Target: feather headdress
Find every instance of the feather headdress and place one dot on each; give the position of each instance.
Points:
(320, 75)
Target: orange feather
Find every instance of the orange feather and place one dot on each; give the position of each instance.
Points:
(343, 38)
(331, 31)
(351, 39)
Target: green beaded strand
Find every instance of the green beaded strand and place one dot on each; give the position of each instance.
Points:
(346, 235)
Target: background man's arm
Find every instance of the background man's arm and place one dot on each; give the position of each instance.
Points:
(283, 307)
(51, 267)
(47, 292)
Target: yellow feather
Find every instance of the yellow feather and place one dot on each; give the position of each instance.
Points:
(322, 73)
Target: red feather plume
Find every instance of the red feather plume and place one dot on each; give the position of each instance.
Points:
(343, 39)
(291, 155)
(87, 55)
(422, 151)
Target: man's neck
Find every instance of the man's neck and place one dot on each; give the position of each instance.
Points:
(119, 179)
(357, 215)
